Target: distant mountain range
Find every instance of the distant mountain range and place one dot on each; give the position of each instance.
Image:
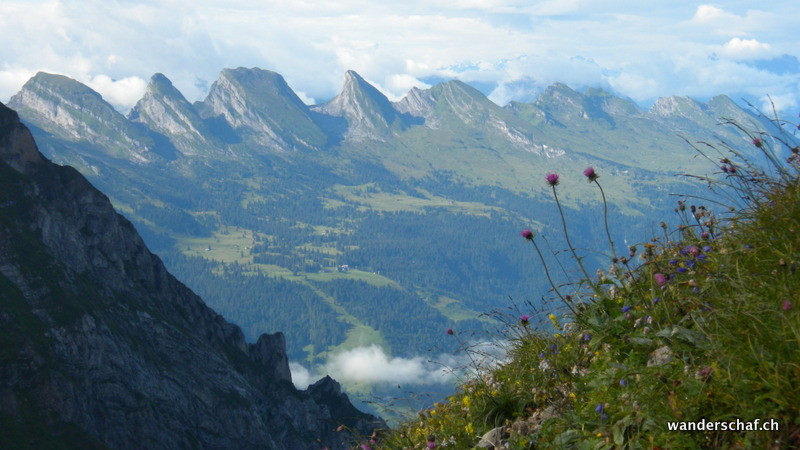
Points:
(362, 220)
(102, 348)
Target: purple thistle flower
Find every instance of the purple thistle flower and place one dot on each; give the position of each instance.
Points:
(524, 319)
(705, 235)
(450, 331)
(431, 444)
(527, 234)
(786, 305)
(590, 174)
(552, 179)
(626, 308)
(661, 279)
(758, 142)
(693, 250)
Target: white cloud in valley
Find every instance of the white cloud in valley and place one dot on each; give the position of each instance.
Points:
(372, 365)
(512, 49)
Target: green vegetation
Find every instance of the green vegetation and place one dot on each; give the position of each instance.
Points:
(705, 329)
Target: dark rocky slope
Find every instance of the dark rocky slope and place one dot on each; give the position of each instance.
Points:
(101, 347)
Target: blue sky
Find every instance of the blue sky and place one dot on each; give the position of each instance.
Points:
(511, 49)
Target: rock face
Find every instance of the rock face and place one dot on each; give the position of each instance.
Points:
(74, 112)
(262, 109)
(165, 110)
(101, 346)
(368, 113)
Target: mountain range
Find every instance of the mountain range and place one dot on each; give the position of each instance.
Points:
(102, 348)
(364, 221)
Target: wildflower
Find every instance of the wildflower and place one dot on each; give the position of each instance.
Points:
(527, 234)
(758, 142)
(626, 308)
(365, 447)
(590, 174)
(661, 279)
(786, 305)
(431, 442)
(599, 408)
(706, 249)
(673, 262)
(541, 355)
(450, 331)
(693, 250)
(682, 269)
(623, 382)
(552, 179)
(554, 348)
(703, 374)
(701, 257)
(587, 337)
(524, 320)
(705, 235)
(656, 300)
(572, 395)
(552, 317)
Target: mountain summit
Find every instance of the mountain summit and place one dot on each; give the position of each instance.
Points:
(165, 110)
(259, 105)
(74, 112)
(369, 114)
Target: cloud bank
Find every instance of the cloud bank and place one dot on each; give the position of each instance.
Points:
(371, 365)
(511, 48)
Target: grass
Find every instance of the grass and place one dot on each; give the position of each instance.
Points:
(227, 246)
(371, 197)
(706, 329)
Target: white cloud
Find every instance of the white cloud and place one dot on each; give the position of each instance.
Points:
(305, 98)
(781, 103)
(372, 365)
(644, 50)
(301, 377)
(746, 49)
(123, 93)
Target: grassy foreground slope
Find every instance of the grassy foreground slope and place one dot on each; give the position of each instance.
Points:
(706, 330)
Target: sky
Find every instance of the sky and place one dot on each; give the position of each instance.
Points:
(511, 50)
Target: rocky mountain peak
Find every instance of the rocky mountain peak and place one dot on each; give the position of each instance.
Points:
(165, 110)
(261, 106)
(678, 106)
(75, 112)
(368, 113)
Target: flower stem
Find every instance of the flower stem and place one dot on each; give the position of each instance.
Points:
(605, 220)
(571, 247)
(549, 279)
